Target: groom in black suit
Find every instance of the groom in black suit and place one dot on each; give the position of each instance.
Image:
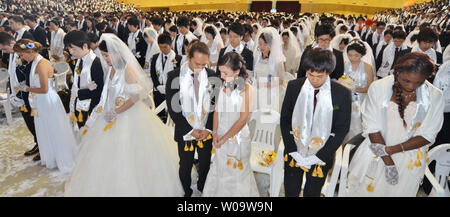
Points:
(324, 34)
(198, 58)
(236, 31)
(318, 64)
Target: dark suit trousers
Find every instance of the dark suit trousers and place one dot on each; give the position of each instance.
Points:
(187, 161)
(29, 121)
(293, 179)
(85, 117)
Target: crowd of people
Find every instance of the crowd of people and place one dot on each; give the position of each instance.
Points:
(382, 81)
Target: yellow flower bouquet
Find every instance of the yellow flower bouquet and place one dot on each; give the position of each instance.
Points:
(267, 158)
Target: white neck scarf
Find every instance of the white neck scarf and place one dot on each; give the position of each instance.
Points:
(430, 52)
(310, 128)
(195, 112)
(170, 65)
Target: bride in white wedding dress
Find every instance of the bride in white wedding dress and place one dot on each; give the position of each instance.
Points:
(125, 150)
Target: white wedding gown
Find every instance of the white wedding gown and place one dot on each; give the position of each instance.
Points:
(409, 180)
(224, 180)
(267, 98)
(135, 157)
(53, 130)
(359, 77)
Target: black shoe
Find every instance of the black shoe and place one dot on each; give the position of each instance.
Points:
(33, 151)
(37, 157)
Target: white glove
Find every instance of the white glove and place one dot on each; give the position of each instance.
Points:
(92, 86)
(313, 160)
(391, 173)
(23, 87)
(110, 116)
(161, 89)
(378, 149)
(74, 92)
(299, 159)
(16, 101)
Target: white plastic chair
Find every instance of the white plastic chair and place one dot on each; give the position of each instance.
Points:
(440, 179)
(61, 71)
(342, 192)
(4, 95)
(329, 187)
(263, 139)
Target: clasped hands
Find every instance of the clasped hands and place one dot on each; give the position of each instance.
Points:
(306, 162)
(200, 134)
(391, 171)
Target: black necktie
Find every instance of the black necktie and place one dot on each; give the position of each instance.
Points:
(234, 50)
(164, 62)
(315, 98)
(78, 71)
(397, 50)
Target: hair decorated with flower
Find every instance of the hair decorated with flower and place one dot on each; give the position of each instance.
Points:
(25, 45)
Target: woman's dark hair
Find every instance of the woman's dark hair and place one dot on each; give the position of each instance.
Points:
(343, 28)
(358, 47)
(165, 38)
(294, 30)
(235, 62)
(102, 46)
(223, 31)
(427, 35)
(324, 29)
(345, 41)
(399, 34)
(76, 38)
(210, 30)
(23, 46)
(417, 63)
(319, 60)
(285, 34)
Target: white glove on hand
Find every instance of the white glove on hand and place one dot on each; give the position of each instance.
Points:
(378, 149)
(161, 89)
(391, 173)
(110, 116)
(23, 87)
(299, 159)
(92, 86)
(74, 92)
(313, 160)
(15, 101)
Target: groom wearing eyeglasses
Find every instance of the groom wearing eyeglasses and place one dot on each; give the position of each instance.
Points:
(324, 34)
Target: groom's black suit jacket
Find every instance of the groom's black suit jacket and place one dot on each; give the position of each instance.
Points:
(342, 105)
(182, 127)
